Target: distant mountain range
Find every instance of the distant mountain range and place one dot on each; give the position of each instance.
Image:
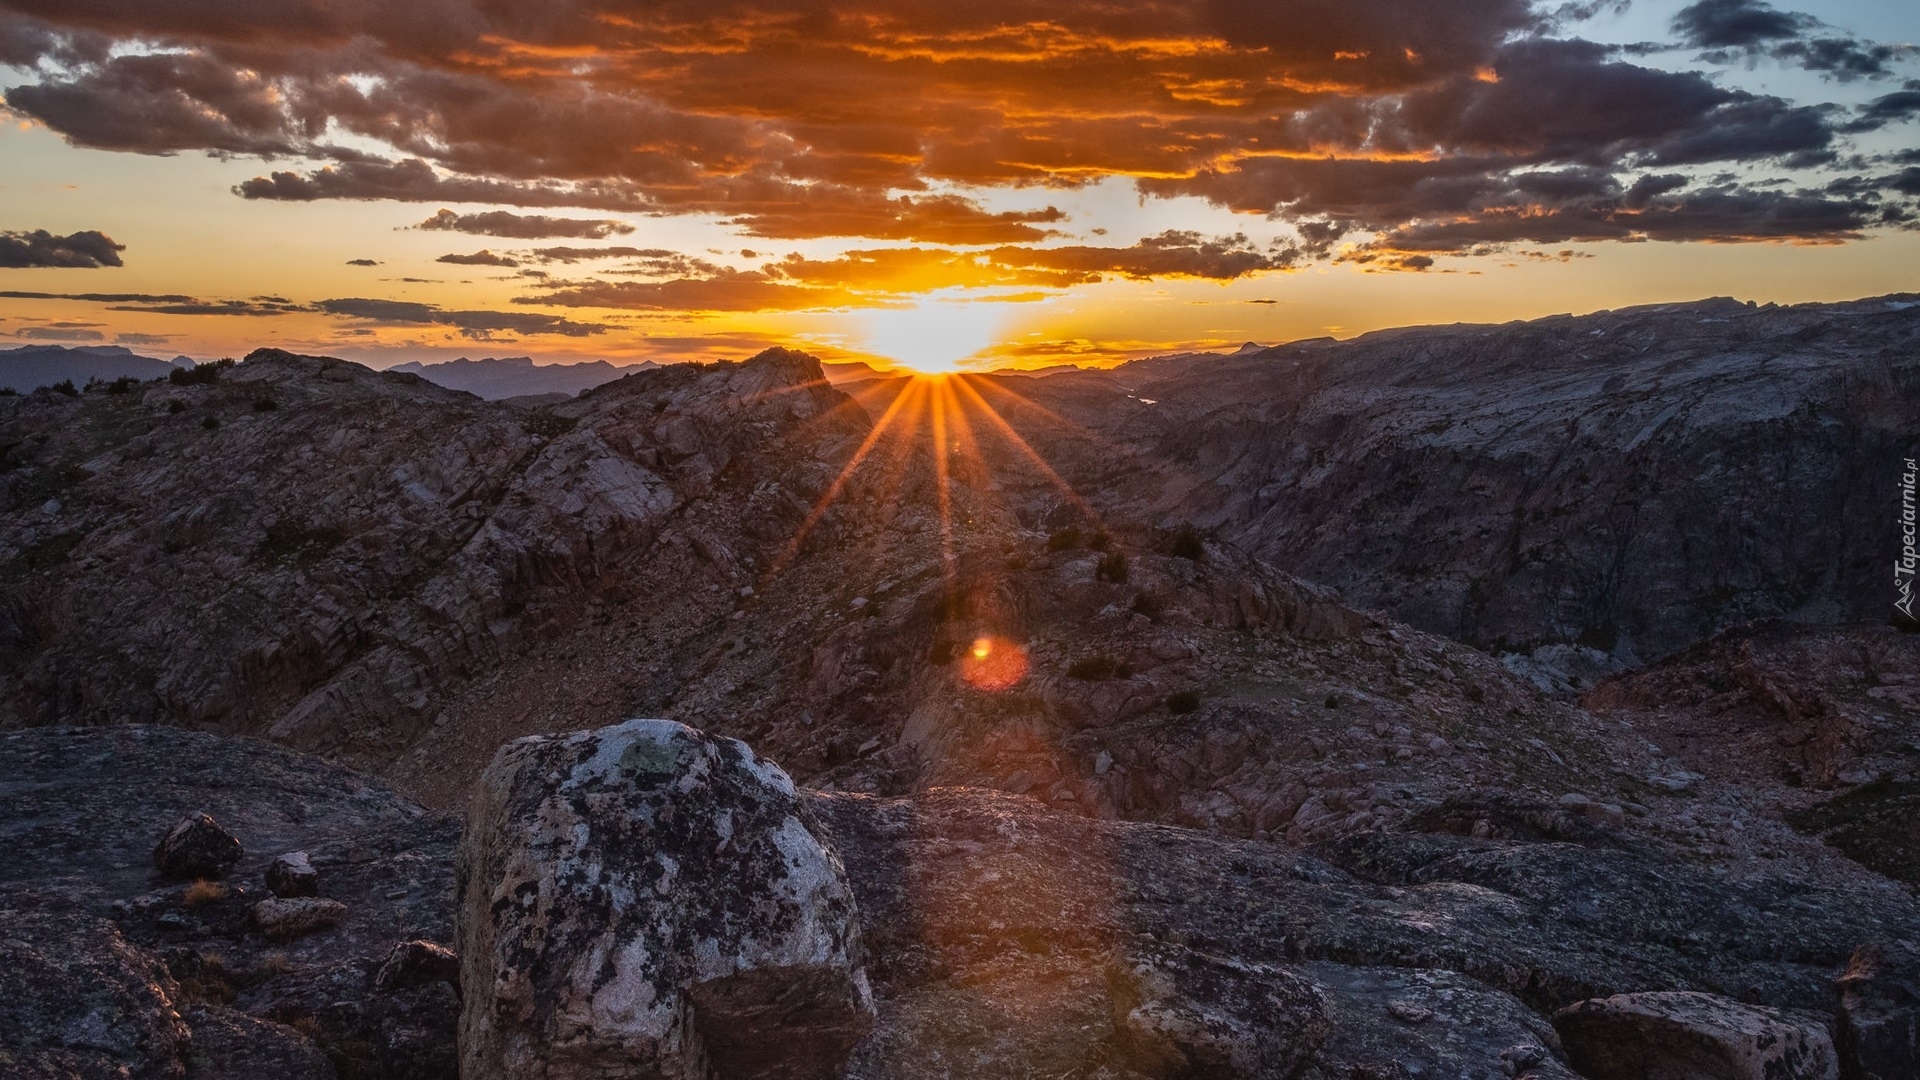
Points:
(518, 376)
(30, 367)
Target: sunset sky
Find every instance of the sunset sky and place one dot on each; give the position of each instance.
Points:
(931, 183)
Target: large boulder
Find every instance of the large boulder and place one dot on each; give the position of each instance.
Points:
(1879, 1023)
(652, 898)
(1686, 1035)
(196, 847)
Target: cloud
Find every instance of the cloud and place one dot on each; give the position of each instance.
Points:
(100, 298)
(483, 257)
(128, 337)
(725, 291)
(363, 262)
(525, 226)
(474, 324)
(1738, 29)
(58, 333)
(889, 122)
(41, 248)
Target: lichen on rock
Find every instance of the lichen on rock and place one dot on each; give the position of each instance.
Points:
(651, 895)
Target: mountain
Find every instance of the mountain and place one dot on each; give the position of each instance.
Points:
(29, 367)
(1589, 492)
(518, 376)
(1119, 788)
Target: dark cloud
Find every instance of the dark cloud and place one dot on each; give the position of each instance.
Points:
(727, 291)
(483, 257)
(1903, 104)
(1173, 253)
(1733, 30)
(474, 324)
(363, 262)
(130, 338)
(258, 306)
(804, 119)
(100, 298)
(41, 248)
(1723, 24)
(680, 263)
(525, 226)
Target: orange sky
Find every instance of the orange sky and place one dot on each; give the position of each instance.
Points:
(934, 184)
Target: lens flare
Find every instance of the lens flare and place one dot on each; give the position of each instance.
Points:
(993, 664)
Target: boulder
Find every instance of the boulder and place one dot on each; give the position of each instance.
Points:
(196, 847)
(292, 875)
(1687, 1035)
(652, 896)
(228, 1045)
(286, 919)
(1878, 1033)
(417, 963)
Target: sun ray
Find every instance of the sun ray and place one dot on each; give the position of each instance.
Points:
(839, 484)
(1006, 429)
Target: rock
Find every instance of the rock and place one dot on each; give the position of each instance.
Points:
(1182, 1013)
(1686, 1035)
(417, 963)
(1878, 1029)
(656, 896)
(81, 1003)
(292, 875)
(228, 1045)
(286, 919)
(196, 847)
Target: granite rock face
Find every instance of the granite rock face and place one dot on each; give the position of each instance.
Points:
(196, 847)
(651, 896)
(1878, 1032)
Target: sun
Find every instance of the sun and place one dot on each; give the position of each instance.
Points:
(936, 336)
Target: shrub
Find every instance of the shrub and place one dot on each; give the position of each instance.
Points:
(176, 406)
(64, 386)
(1112, 567)
(199, 374)
(546, 424)
(265, 404)
(1097, 667)
(1099, 541)
(122, 385)
(8, 391)
(1184, 701)
(1064, 539)
(210, 423)
(1149, 605)
(1187, 545)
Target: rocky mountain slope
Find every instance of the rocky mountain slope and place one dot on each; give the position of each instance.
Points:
(517, 376)
(1626, 483)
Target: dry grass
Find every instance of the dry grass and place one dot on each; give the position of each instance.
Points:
(201, 893)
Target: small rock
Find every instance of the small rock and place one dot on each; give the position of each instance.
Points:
(1438, 745)
(858, 603)
(292, 875)
(1409, 1011)
(1101, 763)
(283, 920)
(196, 847)
(417, 963)
(1683, 1033)
(1573, 800)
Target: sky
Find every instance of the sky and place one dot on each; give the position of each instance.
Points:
(935, 184)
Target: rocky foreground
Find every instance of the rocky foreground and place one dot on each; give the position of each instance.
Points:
(963, 933)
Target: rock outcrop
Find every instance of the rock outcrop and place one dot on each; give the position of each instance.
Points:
(1692, 1036)
(1878, 1032)
(651, 896)
(196, 847)
(1617, 485)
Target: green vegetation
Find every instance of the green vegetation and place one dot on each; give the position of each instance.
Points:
(1187, 545)
(64, 386)
(1112, 567)
(200, 374)
(1183, 701)
(298, 545)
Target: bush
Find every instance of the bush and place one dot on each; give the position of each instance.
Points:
(1097, 667)
(1064, 539)
(544, 423)
(199, 374)
(176, 406)
(1099, 541)
(1112, 567)
(265, 404)
(122, 385)
(210, 423)
(1185, 701)
(64, 386)
(1149, 605)
(203, 892)
(1187, 545)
